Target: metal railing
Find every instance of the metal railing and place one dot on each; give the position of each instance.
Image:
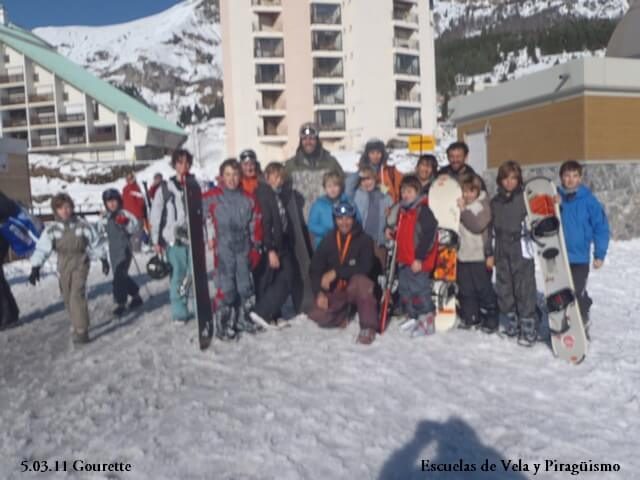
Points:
(326, 19)
(408, 16)
(266, 3)
(42, 119)
(13, 99)
(16, 78)
(407, 96)
(269, 77)
(410, 43)
(71, 117)
(43, 142)
(269, 52)
(78, 140)
(40, 97)
(99, 137)
(15, 122)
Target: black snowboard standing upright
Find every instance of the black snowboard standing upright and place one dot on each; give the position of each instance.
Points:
(203, 308)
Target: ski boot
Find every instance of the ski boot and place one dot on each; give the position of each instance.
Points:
(426, 325)
(469, 323)
(80, 338)
(511, 325)
(224, 323)
(245, 323)
(135, 302)
(528, 332)
(366, 336)
(489, 320)
(120, 310)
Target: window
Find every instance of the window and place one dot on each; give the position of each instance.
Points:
(268, 48)
(407, 64)
(269, 73)
(326, 40)
(327, 67)
(325, 14)
(331, 120)
(408, 118)
(328, 94)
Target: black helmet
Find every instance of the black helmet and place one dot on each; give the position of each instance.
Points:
(248, 154)
(111, 194)
(157, 268)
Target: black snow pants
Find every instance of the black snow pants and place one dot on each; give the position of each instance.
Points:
(9, 311)
(515, 279)
(580, 274)
(273, 287)
(475, 292)
(123, 284)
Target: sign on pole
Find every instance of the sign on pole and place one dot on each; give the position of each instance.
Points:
(422, 143)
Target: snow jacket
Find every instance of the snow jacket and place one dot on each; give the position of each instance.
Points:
(275, 222)
(584, 222)
(117, 228)
(508, 215)
(250, 184)
(8, 208)
(416, 233)
(359, 257)
(475, 220)
(381, 203)
(321, 217)
(133, 200)
(49, 241)
(168, 215)
(235, 223)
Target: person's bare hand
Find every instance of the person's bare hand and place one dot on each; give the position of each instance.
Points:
(597, 263)
(327, 279)
(274, 261)
(460, 203)
(158, 249)
(416, 266)
(490, 262)
(322, 301)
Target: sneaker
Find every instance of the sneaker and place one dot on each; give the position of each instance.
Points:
(528, 331)
(135, 302)
(119, 310)
(366, 336)
(426, 325)
(512, 326)
(80, 338)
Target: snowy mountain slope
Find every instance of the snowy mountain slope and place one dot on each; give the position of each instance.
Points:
(469, 17)
(307, 403)
(173, 57)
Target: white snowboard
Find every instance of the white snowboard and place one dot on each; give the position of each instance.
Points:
(443, 197)
(568, 337)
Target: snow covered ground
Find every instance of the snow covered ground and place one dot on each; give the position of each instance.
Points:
(306, 403)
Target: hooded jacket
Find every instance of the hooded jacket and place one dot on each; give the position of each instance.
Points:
(321, 217)
(475, 219)
(388, 176)
(358, 260)
(173, 206)
(118, 227)
(584, 222)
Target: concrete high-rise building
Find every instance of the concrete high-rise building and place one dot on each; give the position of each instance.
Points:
(358, 68)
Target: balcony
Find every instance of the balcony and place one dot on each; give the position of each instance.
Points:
(406, 65)
(270, 74)
(43, 142)
(41, 97)
(103, 137)
(406, 16)
(407, 96)
(328, 95)
(268, 48)
(74, 140)
(71, 117)
(15, 78)
(328, 68)
(331, 120)
(409, 43)
(271, 102)
(326, 41)
(15, 99)
(325, 14)
(42, 119)
(408, 118)
(15, 123)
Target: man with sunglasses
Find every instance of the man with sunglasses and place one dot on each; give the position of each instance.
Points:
(340, 276)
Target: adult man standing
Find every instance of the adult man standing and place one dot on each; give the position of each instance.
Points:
(457, 154)
(340, 271)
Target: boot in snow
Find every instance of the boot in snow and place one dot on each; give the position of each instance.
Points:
(366, 336)
(80, 338)
(511, 325)
(120, 309)
(135, 302)
(245, 323)
(468, 323)
(490, 321)
(528, 332)
(426, 325)
(224, 323)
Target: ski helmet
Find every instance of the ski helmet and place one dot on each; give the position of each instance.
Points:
(344, 209)
(111, 194)
(157, 268)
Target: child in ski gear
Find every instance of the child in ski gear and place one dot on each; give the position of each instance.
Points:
(169, 231)
(515, 273)
(426, 170)
(119, 226)
(274, 277)
(235, 224)
(340, 270)
(416, 231)
(155, 184)
(373, 207)
(76, 242)
(9, 311)
(388, 176)
(584, 223)
(321, 214)
(477, 299)
(250, 171)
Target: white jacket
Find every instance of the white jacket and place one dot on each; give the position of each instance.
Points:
(175, 213)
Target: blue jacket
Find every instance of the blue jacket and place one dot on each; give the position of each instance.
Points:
(321, 218)
(584, 222)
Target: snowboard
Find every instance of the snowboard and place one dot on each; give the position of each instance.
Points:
(197, 251)
(22, 232)
(568, 336)
(443, 197)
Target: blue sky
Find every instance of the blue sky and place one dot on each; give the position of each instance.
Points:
(40, 13)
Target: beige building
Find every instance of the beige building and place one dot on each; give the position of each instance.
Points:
(359, 69)
(14, 170)
(59, 108)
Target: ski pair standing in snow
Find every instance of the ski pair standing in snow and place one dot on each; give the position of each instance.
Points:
(415, 229)
(169, 231)
(584, 223)
(513, 256)
(119, 226)
(235, 235)
(476, 296)
(76, 242)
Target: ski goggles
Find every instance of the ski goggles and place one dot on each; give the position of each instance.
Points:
(344, 209)
(308, 131)
(246, 155)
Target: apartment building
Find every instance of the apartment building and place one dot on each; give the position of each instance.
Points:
(358, 68)
(59, 108)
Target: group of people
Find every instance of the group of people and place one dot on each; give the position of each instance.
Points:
(278, 253)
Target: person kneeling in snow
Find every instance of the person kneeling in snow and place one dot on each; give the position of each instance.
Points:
(340, 270)
(235, 226)
(119, 226)
(75, 241)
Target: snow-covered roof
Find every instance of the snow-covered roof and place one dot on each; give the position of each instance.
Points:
(585, 75)
(46, 56)
(625, 41)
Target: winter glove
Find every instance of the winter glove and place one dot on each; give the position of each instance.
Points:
(35, 275)
(105, 266)
(122, 219)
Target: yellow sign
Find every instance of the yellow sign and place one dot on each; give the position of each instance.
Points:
(421, 143)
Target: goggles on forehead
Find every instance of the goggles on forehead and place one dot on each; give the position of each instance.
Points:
(344, 210)
(247, 155)
(308, 132)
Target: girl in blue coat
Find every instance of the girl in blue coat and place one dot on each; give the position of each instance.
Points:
(584, 223)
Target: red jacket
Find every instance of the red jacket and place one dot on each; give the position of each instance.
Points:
(133, 200)
(417, 235)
